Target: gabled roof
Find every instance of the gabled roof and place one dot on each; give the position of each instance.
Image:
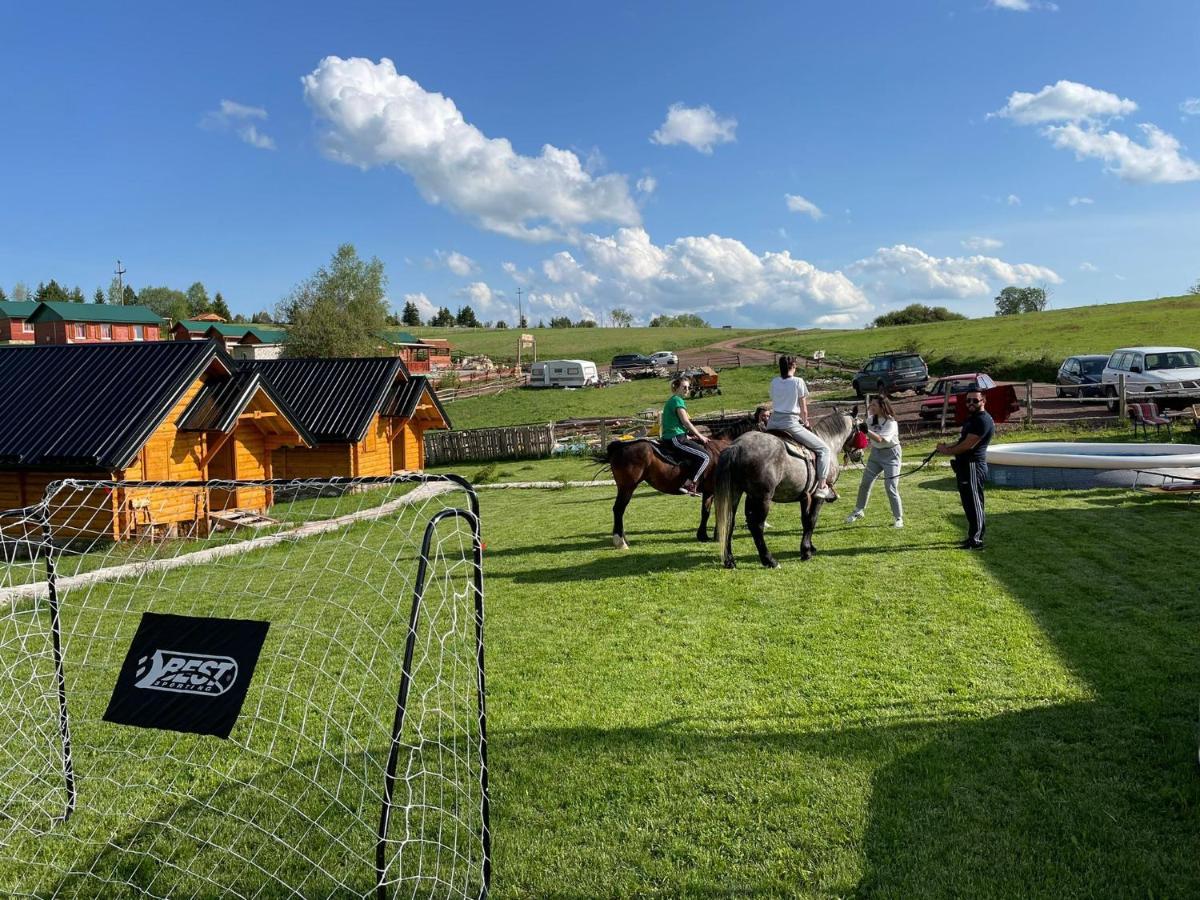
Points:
(219, 403)
(17, 309)
(404, 398)
(93, 405)
(266, 334)
(396, 336)
(335, 399)
(55, 310)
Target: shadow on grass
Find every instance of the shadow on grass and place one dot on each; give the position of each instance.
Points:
(1088, 799)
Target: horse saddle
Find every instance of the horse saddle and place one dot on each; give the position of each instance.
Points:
(793, 447)
(670, 454)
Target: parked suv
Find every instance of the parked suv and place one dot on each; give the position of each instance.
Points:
(892, 372)
(631, 361)
(1151, 369)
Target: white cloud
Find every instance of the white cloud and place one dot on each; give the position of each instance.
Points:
(423, 303)
(982, 243)
(562, 269)
(1023, 5)
(487, 303)
(520, 276)
(458, 263)
(902, 272)
(1080, 201)
(1012, 200)
(1088, 267)
(1157, 161)
(647, 184)
(1190, 106)
(798, 204)
(239, 119)
(376, 116)
(697, 126)
(1065, 101)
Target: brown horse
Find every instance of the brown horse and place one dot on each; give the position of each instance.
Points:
(633, 462)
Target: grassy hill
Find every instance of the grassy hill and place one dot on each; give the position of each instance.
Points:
(597, 344)
(1013, 347)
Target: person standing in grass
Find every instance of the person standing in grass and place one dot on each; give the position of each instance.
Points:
(789, 412)
(884, 435)
(677, 428)
(970, 465)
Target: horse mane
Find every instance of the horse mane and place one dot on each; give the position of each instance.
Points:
(832, 428)
(735, 429)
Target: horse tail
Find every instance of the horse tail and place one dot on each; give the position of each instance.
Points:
(725, 499)
(610, 452)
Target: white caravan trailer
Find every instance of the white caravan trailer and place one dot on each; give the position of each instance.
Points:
(563, 373)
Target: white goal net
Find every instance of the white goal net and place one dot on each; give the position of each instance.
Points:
(244, 689)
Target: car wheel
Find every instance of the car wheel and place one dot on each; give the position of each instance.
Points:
(880, 388)
(1058, 392)
(1111, 393)
(858, 391)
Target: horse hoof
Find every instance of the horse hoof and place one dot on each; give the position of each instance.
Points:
(619, 543)
(729, 564)
(770, 563)
(703, 538)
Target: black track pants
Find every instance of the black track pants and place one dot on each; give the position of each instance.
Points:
(971, 477)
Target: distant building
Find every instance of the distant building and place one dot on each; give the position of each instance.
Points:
(242, 340)
(15, 327)
(419, 355)
(55, 322)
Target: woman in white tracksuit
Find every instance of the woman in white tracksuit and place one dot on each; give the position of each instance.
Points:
(884, 435)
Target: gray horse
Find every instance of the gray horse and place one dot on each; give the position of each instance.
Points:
(760, 466)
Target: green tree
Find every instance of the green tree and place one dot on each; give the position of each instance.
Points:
(1195, 288)
(1014, 300)
(197, 299)
(51, 292)
(916, 314)
(221, 308)
(339, 310)
(76, 295)
(524, 323)
(240, 319)
(262, 317)
(442, 319)
(98, 297)
(129, 296)
(20, 291)
(686, 320)
(165, 301)
(501, 325)
(411, 315)
(3, 296)
(466, 318)
(585, 323)
(621, 318)
(560, 321)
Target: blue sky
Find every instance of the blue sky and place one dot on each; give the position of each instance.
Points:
(933, 151)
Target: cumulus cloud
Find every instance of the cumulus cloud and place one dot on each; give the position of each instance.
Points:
(374, 116)
(1065, 101)
(1023, 5)
(1072, 116)
(982, 243)
(1088, 267)
(697, 126)
(901, 273)
(241, 120)
(486, 302)
(562, 269)
(1080, 201)
(1012, 200)
(1190, 106)
(798, 204)
(647, 184)
(423, 304)
(1157, 161)
(458, 263)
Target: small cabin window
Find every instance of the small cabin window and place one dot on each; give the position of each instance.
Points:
(27, 327)
(139, 332)
(559, 370)
(80, 331)
(106, 332)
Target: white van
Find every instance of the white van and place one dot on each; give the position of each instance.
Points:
(1149, 369)
(564, 373)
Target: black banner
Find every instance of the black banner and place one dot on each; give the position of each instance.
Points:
(187, 673)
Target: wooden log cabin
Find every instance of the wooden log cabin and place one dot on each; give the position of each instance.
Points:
(136, 412)
(367, 416)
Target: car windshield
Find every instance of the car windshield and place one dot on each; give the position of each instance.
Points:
(1177, 359)
(1093, 366)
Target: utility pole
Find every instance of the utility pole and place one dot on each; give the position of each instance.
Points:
(120, 272)
(520, 314)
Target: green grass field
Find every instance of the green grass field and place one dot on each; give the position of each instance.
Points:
(597, 344)
(896, 718)
(743, 389)
(1014, 347)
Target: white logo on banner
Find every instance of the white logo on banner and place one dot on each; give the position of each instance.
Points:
(186, 673)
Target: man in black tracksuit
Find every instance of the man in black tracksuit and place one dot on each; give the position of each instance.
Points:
(970, 465)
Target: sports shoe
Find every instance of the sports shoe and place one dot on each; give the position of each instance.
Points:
(899, 523)
(971, 545)
(826, 493)
(689, 488)
(854, 516)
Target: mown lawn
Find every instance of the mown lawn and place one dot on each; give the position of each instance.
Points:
(597, 344)
(896, 718)
(741, 388)
(1012, 347)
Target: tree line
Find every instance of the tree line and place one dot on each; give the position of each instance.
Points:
(166, 302)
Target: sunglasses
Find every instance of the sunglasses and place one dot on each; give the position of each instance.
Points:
(973, 401)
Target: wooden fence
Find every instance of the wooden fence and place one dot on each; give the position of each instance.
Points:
(517, 442)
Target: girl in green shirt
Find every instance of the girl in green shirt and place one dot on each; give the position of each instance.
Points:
(676, 427)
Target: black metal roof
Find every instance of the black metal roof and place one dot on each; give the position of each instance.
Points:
(92, 405)
(219, 403)
(403, 399)
(335, 399)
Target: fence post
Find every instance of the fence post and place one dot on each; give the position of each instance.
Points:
(945, 404)
(1029, 401)
(1121, 401)
(603, 432)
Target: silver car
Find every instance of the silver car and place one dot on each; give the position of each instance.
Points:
(664, 358)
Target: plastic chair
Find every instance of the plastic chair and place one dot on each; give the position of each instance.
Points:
(1145, 414)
